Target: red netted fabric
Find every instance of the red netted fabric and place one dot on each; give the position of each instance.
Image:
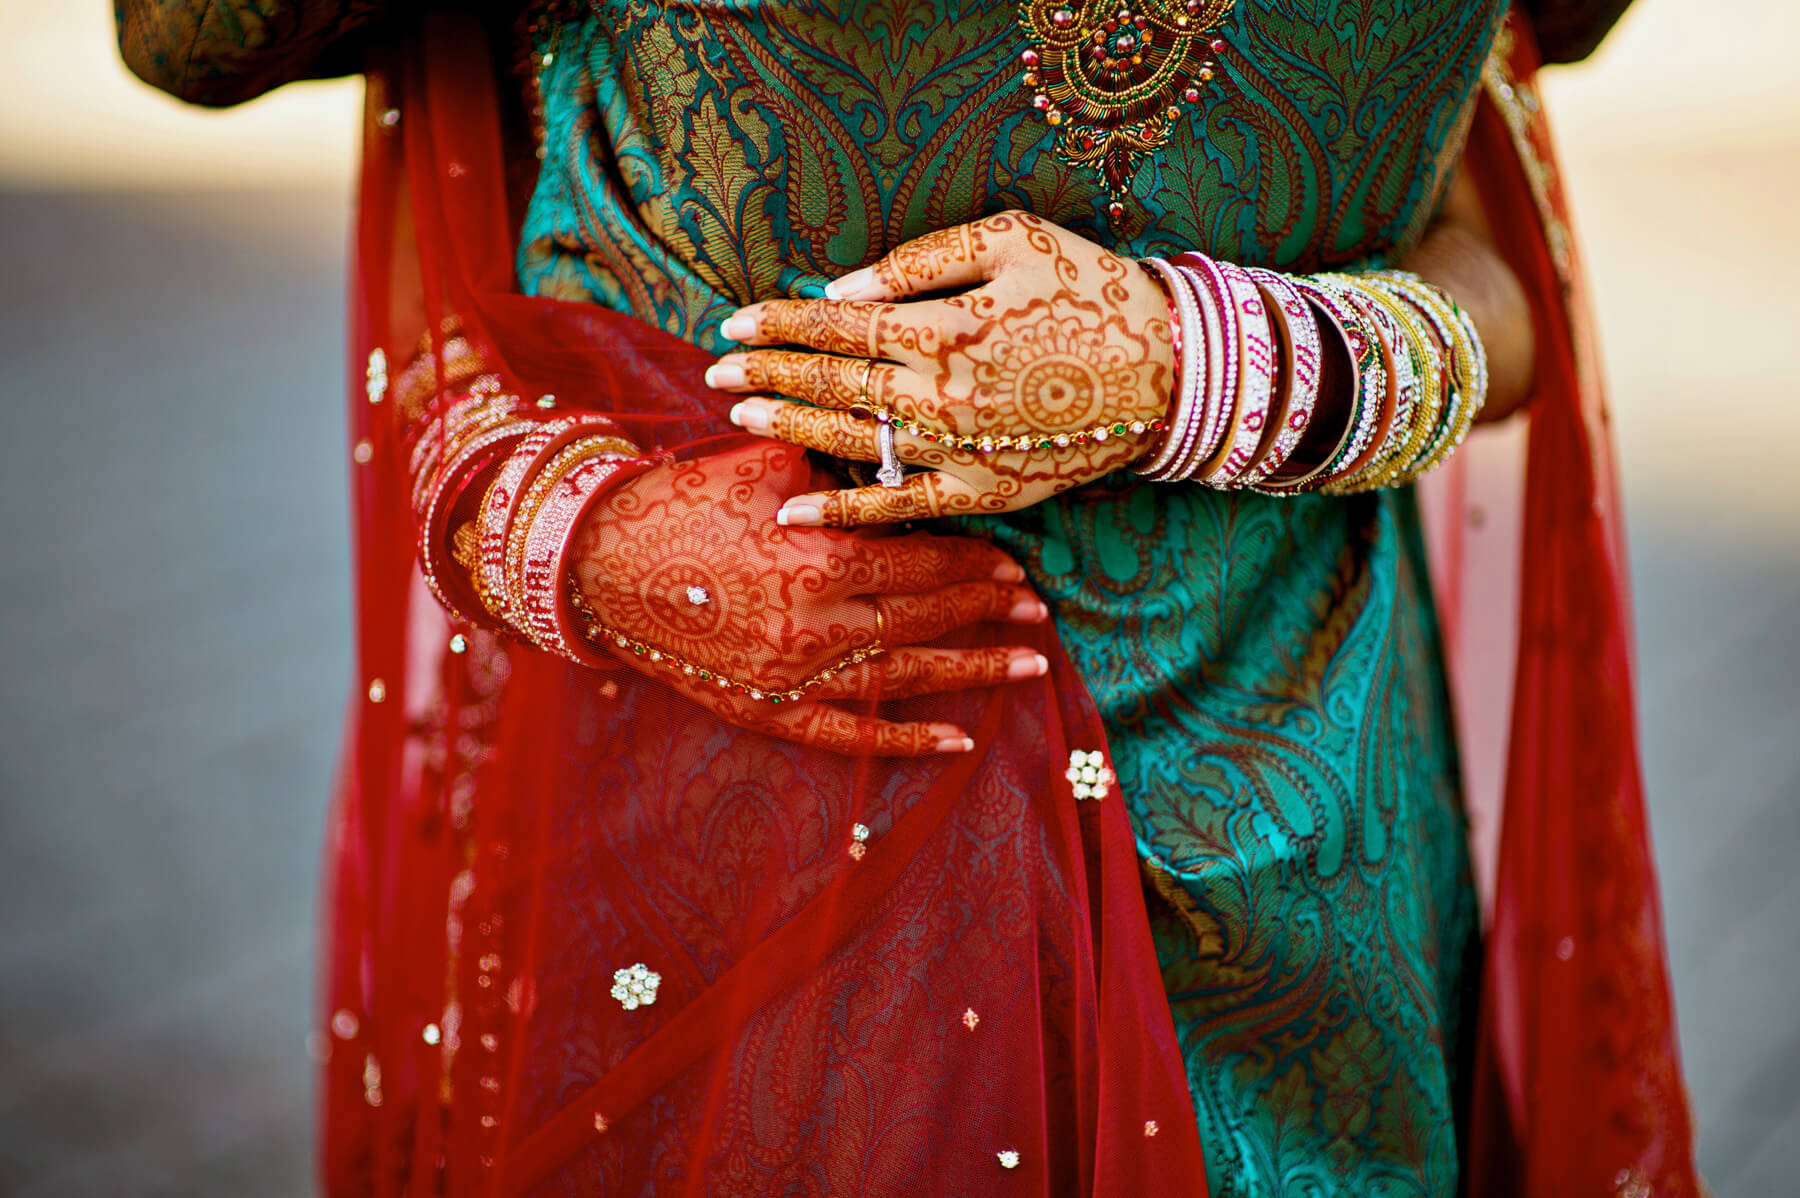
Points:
(871, 975)
(1578, 1087)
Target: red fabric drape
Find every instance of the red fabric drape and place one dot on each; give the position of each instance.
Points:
(970, 1000)
(1578, 1088)
(511, 829)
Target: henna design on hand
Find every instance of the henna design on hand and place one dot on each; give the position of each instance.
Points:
(1060, 335)
(688, 557)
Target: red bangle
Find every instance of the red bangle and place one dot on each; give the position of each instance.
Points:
(452, 585)
(501, 502)
(547, 614)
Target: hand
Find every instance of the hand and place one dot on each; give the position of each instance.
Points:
(1057, 336)
(688, 558)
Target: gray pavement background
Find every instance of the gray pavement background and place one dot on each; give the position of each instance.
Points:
(174, 597)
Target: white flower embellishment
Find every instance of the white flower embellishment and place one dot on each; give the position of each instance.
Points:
(1089, 774)
(1009, 1158)
(635, 987)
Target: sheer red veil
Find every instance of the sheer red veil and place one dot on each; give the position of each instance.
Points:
(970, 998)
(978, 981)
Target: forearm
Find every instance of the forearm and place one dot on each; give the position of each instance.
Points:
(222, 52)
(1458, 255)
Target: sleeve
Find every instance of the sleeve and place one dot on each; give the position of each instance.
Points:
(223, 52)
(1570, 30)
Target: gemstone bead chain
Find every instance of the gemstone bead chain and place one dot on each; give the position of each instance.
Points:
(987, 443)
(600, 633)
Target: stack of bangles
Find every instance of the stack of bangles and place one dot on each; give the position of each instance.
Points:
(1246, 412)
(499, 492)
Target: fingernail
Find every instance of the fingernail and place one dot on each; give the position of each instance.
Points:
(1034, 665)
(1009, 571)
(751, 416)
(955, 744)
(739, 327)
(1028, 611)
(723, 376)
(851, 286)
(798, 515)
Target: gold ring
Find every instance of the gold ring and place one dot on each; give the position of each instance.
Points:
(880, 625)
(862, 392)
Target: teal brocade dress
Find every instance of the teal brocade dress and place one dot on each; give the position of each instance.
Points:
(1269, 671)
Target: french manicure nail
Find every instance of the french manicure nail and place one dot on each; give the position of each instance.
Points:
(798, 515)
(723, 376)
(851, 286)
(739, 327)
(1028, 611)
(750, 416)
(955, 744)
(1034, 666)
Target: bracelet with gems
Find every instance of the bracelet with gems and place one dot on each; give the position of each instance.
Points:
(1393, 425)
(1368, 383)
(1468, 362)
(1256, 365)
(1298, 479)
(987, 443)
(1219, 318)
(1422, 389)
(1298, 334)
(1184, 410)
(601, 633)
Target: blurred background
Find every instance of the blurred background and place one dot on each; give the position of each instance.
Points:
(171, 333)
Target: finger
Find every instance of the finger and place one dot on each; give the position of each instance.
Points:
(914, 619)
(904, 332)
(837, 433)
(822, 379)
(938, 261)
(852, 330)
(922, 562)
(905, 673)
(923, 496)
(840, 731)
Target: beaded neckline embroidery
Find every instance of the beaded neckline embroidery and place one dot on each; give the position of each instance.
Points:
(1113, 77)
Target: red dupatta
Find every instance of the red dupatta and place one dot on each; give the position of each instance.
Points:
(930, 977)
(1578, 1087)
(973, 1002)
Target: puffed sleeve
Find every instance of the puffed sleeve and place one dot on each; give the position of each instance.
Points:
(222, 52)
(1570, 30)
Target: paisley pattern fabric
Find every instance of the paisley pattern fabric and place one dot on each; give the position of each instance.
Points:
(1269, 671)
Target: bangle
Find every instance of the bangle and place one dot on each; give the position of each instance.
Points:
(1219, 316)
(1467, 366)
(1368, 385)
(1393, 423)
(1256, 363)
(495, 516)
(573, 450)
(1298, 334)
(443, 437)
(1184, 407)
(581, 474)
(1421, 385)
(458, 589)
